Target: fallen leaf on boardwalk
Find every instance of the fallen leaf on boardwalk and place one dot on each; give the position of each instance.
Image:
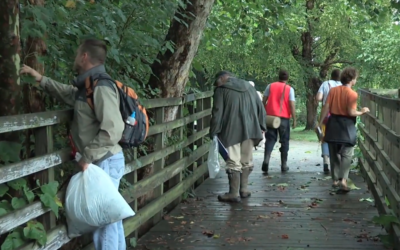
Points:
(316, 219)
(241, 231)
(279, 214)
(178, 217)
(282, 185)
(263, 217)
(367, 199)
(208, 233)
(216, 236)
(183, 222)
(350, 220)
(308, 152)
(167, 217)
(313, 205)
(285, 236)
(351, 185)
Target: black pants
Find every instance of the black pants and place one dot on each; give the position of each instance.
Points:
(271, 136)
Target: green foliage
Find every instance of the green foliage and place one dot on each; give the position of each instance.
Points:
(134, 39)
(9, 151)
(33, 230)
(133, 242)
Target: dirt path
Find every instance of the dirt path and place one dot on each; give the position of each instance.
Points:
(303, 157)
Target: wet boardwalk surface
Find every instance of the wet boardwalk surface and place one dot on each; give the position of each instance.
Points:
(296, 210)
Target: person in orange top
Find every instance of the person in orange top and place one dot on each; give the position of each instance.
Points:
(341, 134)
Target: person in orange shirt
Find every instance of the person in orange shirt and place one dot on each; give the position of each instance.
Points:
(341, 134)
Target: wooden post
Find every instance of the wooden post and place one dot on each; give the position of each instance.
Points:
(131, 178)
(44, 145)
(200, 126)
(159, 165)
(176, 157)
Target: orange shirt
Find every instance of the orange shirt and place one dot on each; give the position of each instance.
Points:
(340, 99)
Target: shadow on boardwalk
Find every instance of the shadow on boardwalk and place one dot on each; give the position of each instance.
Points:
(295, 210)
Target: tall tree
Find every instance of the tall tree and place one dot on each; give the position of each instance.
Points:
(171, 68)
(9, 57)
(9, 71)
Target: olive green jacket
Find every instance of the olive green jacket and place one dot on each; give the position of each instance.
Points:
(238, 113)
(95, 133)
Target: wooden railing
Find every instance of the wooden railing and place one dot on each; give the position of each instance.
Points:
(177, 166)
(380, 147)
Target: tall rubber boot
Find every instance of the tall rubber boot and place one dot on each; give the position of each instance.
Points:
(284, 167)
(244, 182)
(265, 165)
(234, 181)
(326, 166)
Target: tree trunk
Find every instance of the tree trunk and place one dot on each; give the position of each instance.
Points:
(171, 69)
(9, 64)
(306, 60)
(311, 103)
(9, 57)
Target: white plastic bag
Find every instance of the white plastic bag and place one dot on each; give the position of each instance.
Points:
(92, 201)
(213, 159)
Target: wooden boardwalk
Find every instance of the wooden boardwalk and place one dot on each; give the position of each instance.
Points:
(296, 210)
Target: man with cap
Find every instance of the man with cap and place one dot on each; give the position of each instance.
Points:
(238, 119)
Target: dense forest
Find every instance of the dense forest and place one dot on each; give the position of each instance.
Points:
(168, 48)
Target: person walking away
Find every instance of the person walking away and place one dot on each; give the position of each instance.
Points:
(258, 92)
(238, 119)
(341, 134)
(260, 96)
(95, 133)
(279, 101)
(321, 96)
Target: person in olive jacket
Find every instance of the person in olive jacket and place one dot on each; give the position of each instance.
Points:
(239, 120)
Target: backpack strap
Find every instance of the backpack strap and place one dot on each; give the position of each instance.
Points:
(91, 83)
(282, 98)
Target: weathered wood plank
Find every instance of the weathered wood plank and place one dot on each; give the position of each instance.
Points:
(157, 186)
(56, 238)
(33, 165)
(380, 153)
(386, 92)
(311, 221)
(161, 102)
(177, 123)
(140, 188)
(48, 118)
(21, 216)
(33, 120)
(145, 160)
(382, 101)
(379, 199)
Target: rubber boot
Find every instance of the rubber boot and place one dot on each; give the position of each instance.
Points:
(265, 165)
(244, 182)
(234, 181)
(326, 166)
(284, 167)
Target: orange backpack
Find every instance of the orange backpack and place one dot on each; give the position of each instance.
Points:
(133, 113)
